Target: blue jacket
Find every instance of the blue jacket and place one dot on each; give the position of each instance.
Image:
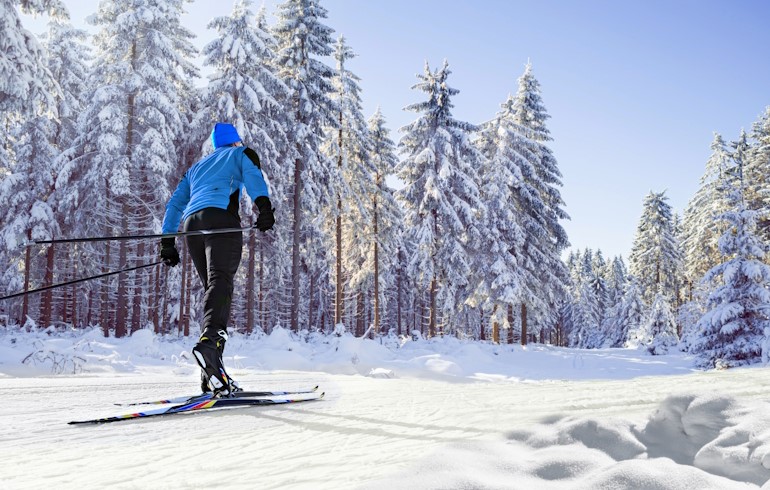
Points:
(212, 181)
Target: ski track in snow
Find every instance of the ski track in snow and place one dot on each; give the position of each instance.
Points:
(664, 431)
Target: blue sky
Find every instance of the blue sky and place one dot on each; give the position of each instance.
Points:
(634, 89)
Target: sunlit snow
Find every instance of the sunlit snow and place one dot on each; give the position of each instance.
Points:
(398, 413)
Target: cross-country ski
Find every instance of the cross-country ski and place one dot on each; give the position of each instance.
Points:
(197, 406)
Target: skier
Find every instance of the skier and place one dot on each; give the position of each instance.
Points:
(207, 198)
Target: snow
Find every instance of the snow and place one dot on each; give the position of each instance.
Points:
(440, 413)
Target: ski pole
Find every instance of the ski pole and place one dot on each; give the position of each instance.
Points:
(15, 295)
(135, 237)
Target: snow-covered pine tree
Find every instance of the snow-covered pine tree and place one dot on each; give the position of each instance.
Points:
(246, 91)
(587, 311)
(546, 238)
(498, 274)
(129, 130)
(758, 174)
(732, 331)
(441, 197)
(387, 219)
(655, 254)
(27, 86)
(614, 275)
(658, 330)
(629, 314)
(302, 40)
(700, 228)
(348, 221)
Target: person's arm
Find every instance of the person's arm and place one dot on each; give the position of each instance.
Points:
(257, 188)
(176, 206)
(253, 178)
(174, 209)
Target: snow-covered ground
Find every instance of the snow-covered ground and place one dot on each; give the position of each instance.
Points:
(430, 414)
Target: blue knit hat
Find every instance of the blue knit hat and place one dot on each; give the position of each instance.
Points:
(224, 134)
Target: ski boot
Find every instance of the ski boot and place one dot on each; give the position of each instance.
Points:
(208, 354)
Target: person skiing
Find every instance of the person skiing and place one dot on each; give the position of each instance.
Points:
(207, 198)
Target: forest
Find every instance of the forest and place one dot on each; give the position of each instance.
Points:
(97, 130)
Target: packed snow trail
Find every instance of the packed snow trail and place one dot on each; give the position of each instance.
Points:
(383, 433)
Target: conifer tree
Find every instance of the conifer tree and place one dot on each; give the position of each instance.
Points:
(543, 212)
(302, 40)
(386, 218)
(732, 331)
(441, 195)
(758, 174)
(628, 317)
(348, 149)
(27, 85)
(499, 274)
(701, 229)
(655, 254)
(658, 331)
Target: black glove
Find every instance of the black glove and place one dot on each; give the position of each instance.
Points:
(168, 251)
(265, 220)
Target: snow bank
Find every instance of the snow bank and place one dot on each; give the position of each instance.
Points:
(703, 442)
(445, 359)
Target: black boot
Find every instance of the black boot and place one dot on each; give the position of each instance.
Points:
(208, 353)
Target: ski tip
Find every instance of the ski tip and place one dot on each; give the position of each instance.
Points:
(323, 393)
(316, 388)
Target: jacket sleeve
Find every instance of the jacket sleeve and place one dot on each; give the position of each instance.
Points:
(254, 179)
(176, 206)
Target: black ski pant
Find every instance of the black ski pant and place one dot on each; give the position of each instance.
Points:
(216, 258)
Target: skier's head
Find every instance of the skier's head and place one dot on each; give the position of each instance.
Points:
(224, 134)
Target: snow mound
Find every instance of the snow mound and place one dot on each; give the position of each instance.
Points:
(381, 373)
(690, 441)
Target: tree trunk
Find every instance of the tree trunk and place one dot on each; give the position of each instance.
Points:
(482, 326)
(187, 292)
(122, 306)
(262, 320)
(73, 291)
(47, 303)
(164, 304)
(27, 266)
(311, 297)
(250, 282)
(376, 271)
(432, 313)
(523, 323)
(338, 307)
(361, 318)
(105, 300)
(136, 310)
(495, 327)
(155, 301)
(399, 298)
(510, 324)
(295, 246)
